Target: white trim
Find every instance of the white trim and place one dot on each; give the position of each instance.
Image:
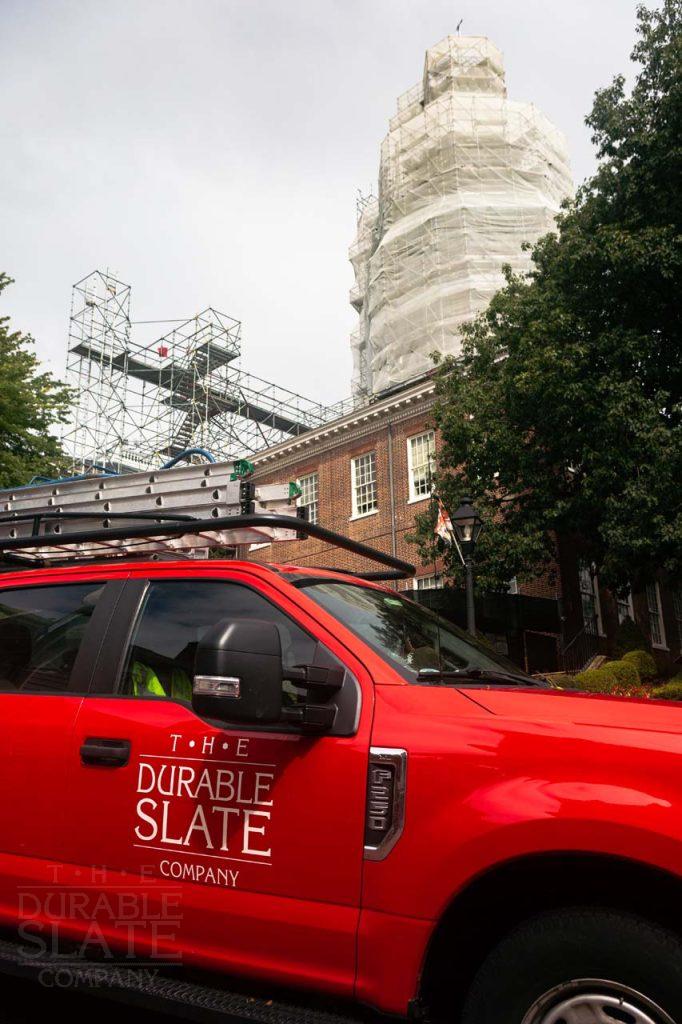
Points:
(355, 514)
(430, 443)
(597, 607)
(363, 515)
(314, 475)
(631, 607)
(365, 414)
(663, 646)
(435, 576)
(583, 567)
(677, 612)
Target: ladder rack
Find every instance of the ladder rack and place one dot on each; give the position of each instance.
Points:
(186, 510)
(63, 509)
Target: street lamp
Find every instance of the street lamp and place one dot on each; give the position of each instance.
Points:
(467, 525)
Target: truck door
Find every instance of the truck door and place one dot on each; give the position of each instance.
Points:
(48, 638)
(246, 843)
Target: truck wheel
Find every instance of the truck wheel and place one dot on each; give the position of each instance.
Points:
(580, 967)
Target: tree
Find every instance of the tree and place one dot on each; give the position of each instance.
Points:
(31, 403)
(563, 414)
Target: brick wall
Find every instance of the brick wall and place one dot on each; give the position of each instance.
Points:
(385, 529)
(385, 428)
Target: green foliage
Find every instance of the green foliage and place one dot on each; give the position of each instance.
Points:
(596, 680)
(615, 679)
(561, 680)
(564, 413)
(644, 663)
(672, 690)
(625, 673)
(30, 404)
(629, 637)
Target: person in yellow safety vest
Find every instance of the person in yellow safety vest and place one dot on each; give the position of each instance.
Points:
(146, 683)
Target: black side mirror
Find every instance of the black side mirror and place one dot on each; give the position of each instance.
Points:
(238, 672)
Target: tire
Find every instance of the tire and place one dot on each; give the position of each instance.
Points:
(570, 966)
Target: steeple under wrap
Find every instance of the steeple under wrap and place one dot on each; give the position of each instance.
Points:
(466, 176)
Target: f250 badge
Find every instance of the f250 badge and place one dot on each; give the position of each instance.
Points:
(207, 806)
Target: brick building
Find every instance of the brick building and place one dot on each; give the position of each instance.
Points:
(358, 477)
(454, 202)
(366, 475)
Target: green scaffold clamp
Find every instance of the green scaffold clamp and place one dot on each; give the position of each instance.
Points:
(242, 468)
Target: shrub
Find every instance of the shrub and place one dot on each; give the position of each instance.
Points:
(626, 672)
(615, 679)
(672, 690)
(596, 680)
(561, 680)
(629, 637)
(645, 664)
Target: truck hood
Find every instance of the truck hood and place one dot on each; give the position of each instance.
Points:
(580, 708)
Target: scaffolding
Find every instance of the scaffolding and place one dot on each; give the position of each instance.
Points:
(466, 176)
(138, 405)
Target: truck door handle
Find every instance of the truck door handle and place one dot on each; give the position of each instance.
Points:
(105, 752)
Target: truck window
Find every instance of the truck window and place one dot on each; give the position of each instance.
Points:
(410, 637)
(175, 616)
(41, 629)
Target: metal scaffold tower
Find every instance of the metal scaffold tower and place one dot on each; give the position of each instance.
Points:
(138, 405)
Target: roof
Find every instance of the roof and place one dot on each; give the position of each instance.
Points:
(111, 569)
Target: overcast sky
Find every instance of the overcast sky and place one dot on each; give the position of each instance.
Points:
(209, 151)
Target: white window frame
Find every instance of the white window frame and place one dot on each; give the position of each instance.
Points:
(658, 611)
(677, 612)
(430, 439)
(356, 462)
(314, 503)
(435, 582)
(584, 568)
(628, 605)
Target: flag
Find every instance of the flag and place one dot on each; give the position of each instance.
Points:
(445, 531)
(444, 528)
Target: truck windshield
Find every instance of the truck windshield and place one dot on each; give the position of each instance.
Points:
(413, 639)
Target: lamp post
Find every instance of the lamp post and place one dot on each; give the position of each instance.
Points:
(467, 525)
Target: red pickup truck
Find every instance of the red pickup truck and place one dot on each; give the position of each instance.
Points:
(302, 781)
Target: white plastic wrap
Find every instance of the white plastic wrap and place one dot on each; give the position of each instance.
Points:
(466, 176)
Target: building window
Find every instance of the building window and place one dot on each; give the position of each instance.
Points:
(589, 596)
(309, 495)
(656, 627)
(421, 451)
(677, 607)
(364, 480)
(625, 608)
(431, 582)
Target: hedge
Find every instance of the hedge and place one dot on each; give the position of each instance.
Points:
(615, 678)
(596, 680)
(672, 690)
(645, 664)
(561, 680)
(625, 672)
